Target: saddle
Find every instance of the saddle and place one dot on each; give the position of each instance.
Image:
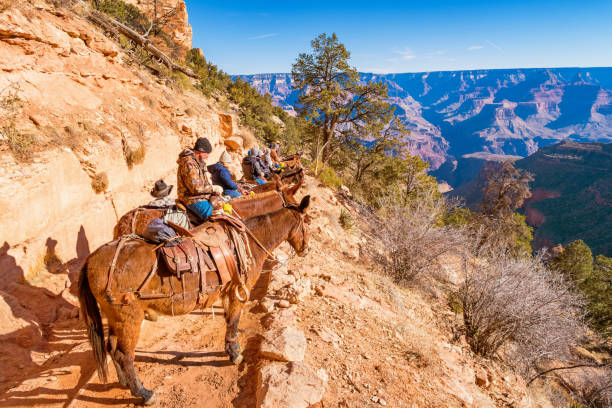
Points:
(209, 252)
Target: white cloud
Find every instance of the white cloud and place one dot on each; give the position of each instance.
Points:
(492, 44)
(259, 37)
(475, 47)
(404, 53)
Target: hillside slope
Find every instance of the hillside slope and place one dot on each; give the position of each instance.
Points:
(506, 111)
(378, 344)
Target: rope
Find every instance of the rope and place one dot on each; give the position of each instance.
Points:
(241, 250)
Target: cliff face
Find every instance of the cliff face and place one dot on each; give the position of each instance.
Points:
(84, 112)
(173, 21)
(512, 112)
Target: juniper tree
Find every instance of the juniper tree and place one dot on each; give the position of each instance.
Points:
(333, 98)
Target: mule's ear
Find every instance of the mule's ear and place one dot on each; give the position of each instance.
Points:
(305, 203)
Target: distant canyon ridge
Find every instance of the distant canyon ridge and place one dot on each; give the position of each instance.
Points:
(452, 114)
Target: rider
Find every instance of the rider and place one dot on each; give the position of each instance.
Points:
(275, 151)
(193, 183)
(252, 168)
(161, 192)
(221, 176)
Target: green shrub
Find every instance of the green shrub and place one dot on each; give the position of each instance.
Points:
(593, 278)
(125, 13)
(329, 177)
(346, 220)
(457, 217)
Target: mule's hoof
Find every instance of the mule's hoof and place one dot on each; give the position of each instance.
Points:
(150, 400)
(238, 360)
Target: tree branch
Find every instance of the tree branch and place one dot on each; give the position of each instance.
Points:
(567, 368)
(105, 21)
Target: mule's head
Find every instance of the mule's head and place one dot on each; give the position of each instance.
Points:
(299, 236)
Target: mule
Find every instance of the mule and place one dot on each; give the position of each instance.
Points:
(136, 220)
(133, 265)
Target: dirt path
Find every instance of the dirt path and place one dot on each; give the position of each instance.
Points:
(182, 358)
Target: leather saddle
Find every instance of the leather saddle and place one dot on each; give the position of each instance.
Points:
(209, 252)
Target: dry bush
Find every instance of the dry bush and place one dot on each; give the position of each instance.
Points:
(413, 237)
(99, 182)
(132, 155)
(20, 143)
(4, 5)
(506, 299)
(73, 137)
(597, 389)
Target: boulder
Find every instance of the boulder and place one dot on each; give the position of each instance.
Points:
(17, 324)
(290, 385)
(280, 318)
(284, 344)
(266, 305)
(296, 292)
(226, 127)
(233, 143)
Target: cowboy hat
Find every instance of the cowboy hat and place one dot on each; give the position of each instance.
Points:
(161, 189)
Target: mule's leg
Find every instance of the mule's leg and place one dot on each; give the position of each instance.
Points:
(127, 330)
(112, 349)
(233, 309)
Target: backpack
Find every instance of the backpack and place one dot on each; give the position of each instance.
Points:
(158, 231)
(247, 168)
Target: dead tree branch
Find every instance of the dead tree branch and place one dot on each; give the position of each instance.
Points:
(108, 23)
(567, 368)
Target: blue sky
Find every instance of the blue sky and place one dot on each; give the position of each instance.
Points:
(247, 37)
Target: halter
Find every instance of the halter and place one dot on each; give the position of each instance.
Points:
(300, 219)
(300, 224)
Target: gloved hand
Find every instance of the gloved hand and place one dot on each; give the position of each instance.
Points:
(217, 189)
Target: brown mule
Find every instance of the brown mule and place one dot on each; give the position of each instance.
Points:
(125, 311)
(136, 220)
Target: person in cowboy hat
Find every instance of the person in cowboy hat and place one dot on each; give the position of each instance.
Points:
(161, 192)
(222, 177)
(193, 185)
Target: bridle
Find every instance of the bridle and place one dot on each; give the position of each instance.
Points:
(300, 218)
(297, 229)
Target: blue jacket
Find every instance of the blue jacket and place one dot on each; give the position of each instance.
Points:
(222, 177)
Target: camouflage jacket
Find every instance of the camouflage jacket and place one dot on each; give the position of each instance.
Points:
(192, 181)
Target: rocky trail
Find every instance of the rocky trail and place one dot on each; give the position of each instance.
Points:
(355, 339)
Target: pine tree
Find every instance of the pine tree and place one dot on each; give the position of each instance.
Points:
(334, 100)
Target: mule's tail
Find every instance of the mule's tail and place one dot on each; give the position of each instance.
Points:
(93, 320)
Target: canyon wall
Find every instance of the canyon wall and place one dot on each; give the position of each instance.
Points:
(504, 111)
(89, 115)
